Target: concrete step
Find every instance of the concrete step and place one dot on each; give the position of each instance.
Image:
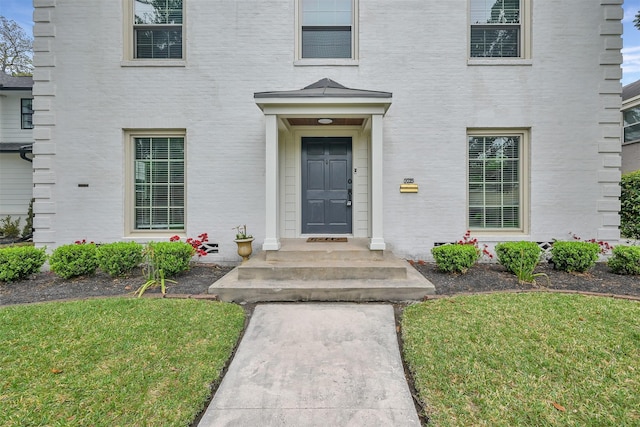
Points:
(229, 288)
(414, 287)
(327, 271)
(260, 269)
(300, 250)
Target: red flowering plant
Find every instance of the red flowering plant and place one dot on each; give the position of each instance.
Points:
(605, 247)
(83, 242)
(196, 243)
(468, 240)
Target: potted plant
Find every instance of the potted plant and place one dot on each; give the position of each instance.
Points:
(244, 242)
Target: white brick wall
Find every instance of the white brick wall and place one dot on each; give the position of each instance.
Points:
(417, 50)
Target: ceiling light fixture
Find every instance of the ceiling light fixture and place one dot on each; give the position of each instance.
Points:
(325, 121)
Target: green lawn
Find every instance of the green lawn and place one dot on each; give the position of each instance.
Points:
(112, 362)
(532, 359)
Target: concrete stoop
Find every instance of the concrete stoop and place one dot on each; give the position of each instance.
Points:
(302, 271)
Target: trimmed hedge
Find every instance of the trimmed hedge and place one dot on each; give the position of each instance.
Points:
(119, 258)
(630, 205)
(455, 258)
(574, 256)
(625, 260)
(19, 262)
(170, 257)
(74, 260)
(520, 258)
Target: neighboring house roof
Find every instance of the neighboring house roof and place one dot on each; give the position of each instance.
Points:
(631, 90)
(15, 147)
(8, 82)
(325, 88)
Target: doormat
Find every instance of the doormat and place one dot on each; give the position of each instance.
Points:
(326, 239)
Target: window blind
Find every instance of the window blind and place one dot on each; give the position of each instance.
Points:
(159, 186)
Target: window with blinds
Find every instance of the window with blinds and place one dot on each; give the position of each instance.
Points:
(159, 183)
(494, 177)
(327, 28)
(496, 28)
(26, 113)
(158, 29)
(632, 124)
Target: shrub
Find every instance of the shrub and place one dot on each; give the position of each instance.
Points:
(520, 258)
(630, 205)
(28, 226)
(10, 228)
(18, 262)
(74, 260)
(574, 256)
(119, 258)
(455, 258)
(625, 260)
(170, 257)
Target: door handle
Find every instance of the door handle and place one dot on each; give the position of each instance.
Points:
(349, 198)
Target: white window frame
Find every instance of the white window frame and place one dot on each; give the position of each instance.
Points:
(525, 40)
(523, 174)
(130, 136)
(24, 115)
(129, 34)
(625, 126)
(300, 61)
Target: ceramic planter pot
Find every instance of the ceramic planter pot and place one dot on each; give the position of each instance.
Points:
(245, 248)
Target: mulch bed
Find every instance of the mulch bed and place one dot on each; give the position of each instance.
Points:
(480, 278)
(494, 277)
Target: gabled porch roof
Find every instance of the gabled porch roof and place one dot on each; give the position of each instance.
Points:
(324, 88)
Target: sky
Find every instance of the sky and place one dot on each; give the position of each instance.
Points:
(21, 11)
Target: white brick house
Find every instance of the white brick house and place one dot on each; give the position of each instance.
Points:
(155, 118)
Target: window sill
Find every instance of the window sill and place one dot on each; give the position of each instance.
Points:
(153, 63)
(500, 61)
(326, 62)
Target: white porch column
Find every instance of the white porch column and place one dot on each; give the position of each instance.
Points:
(271, 239)
(377, 236)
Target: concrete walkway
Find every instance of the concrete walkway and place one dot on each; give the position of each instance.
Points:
(316, 365)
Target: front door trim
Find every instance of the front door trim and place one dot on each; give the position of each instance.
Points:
(326, 185)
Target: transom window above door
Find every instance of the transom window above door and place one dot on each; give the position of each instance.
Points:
(327, 29)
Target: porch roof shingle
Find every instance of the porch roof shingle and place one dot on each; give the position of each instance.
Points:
(325, 88)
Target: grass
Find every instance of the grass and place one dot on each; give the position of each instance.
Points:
(526, 359)
(112, 362)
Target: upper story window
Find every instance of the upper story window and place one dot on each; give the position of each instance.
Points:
(498, 28)
(631, 124)
(327, 29)
(26, 113)
(158, 29)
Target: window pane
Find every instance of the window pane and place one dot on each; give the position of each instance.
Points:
(161, 44)
(495, 11)
(494, 174)
(492, 42)
(326, 12)
(158, 12)
(632, 116)
(327, 42)
(632, 133)
(26, 113)
(159, 188)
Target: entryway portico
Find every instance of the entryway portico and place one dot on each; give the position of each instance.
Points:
(328, 110)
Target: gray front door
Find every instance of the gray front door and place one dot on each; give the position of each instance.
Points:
(326, 185)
